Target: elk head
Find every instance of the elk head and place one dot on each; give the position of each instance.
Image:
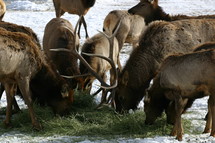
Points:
(144, 8)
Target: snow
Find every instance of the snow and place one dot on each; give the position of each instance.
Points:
(37, 13)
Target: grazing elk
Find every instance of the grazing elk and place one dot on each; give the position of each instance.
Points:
(170, 110)
(24, 65)
(88, 67)
(57, 35)
(184, 77)
(151, 11)
(2, 9)
(79, 7)
(26, 30)
(159, 40)
(99, 45)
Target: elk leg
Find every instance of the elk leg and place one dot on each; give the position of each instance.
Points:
(209, 119)
(25, 90)
(79, 28)
(212, 107)
(104, 92)
(119, 64)
(178, 129)
(1, 90)
(9, 88)
(85, 27)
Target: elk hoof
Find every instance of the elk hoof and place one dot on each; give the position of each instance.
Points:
(7, 125)
(206, 131)
(173, 133)
(179, 138)
(212, 134)
(37, 127)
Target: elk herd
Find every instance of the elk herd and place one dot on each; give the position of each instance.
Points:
(175, 52)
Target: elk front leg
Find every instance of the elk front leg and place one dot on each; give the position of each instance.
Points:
(25, 90)
(209, 119)
(178, 129)
(212, 108)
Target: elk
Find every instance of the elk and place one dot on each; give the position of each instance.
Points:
(130, 28)
(99, 45)
(26, 30)
(183, 77)
(158, 41)
(79, 7)
(57, 35)
(86, 65)
(151, 11)
(170, 112)
(2, 9)
(24, 65)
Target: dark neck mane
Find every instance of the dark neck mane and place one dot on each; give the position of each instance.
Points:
(88, 3)
(46, 85)
(158, 14)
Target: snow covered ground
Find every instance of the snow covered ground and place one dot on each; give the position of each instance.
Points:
(37, 13)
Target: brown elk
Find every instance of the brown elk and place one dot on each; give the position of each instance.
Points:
(170, 110)
(99, 45)
(2, 9)
(79, 7)
(159, 40)
(57, 35)
(130, 28)
(184, 77)
(26, 30)
(86, 65)
(151, 11)
(24, 65)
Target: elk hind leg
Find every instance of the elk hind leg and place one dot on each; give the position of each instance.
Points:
(25, 90)
(9, 88)
(85, 27)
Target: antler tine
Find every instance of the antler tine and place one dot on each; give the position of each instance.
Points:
(75, 76)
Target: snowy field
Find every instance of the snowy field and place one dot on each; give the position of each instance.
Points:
(37, 13)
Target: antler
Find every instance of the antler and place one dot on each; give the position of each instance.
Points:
(75, 53)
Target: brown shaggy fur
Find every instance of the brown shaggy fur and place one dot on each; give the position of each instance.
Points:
(160, 40)
(151, 11)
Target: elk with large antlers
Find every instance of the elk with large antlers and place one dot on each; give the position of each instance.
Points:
(79, 7)
(89, 67)
(99, 45)
(57, 35)
(24, 65)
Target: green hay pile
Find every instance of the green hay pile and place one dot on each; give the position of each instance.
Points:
(85, 120)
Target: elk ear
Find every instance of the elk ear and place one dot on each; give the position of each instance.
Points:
(154, 2)
(125, 78)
